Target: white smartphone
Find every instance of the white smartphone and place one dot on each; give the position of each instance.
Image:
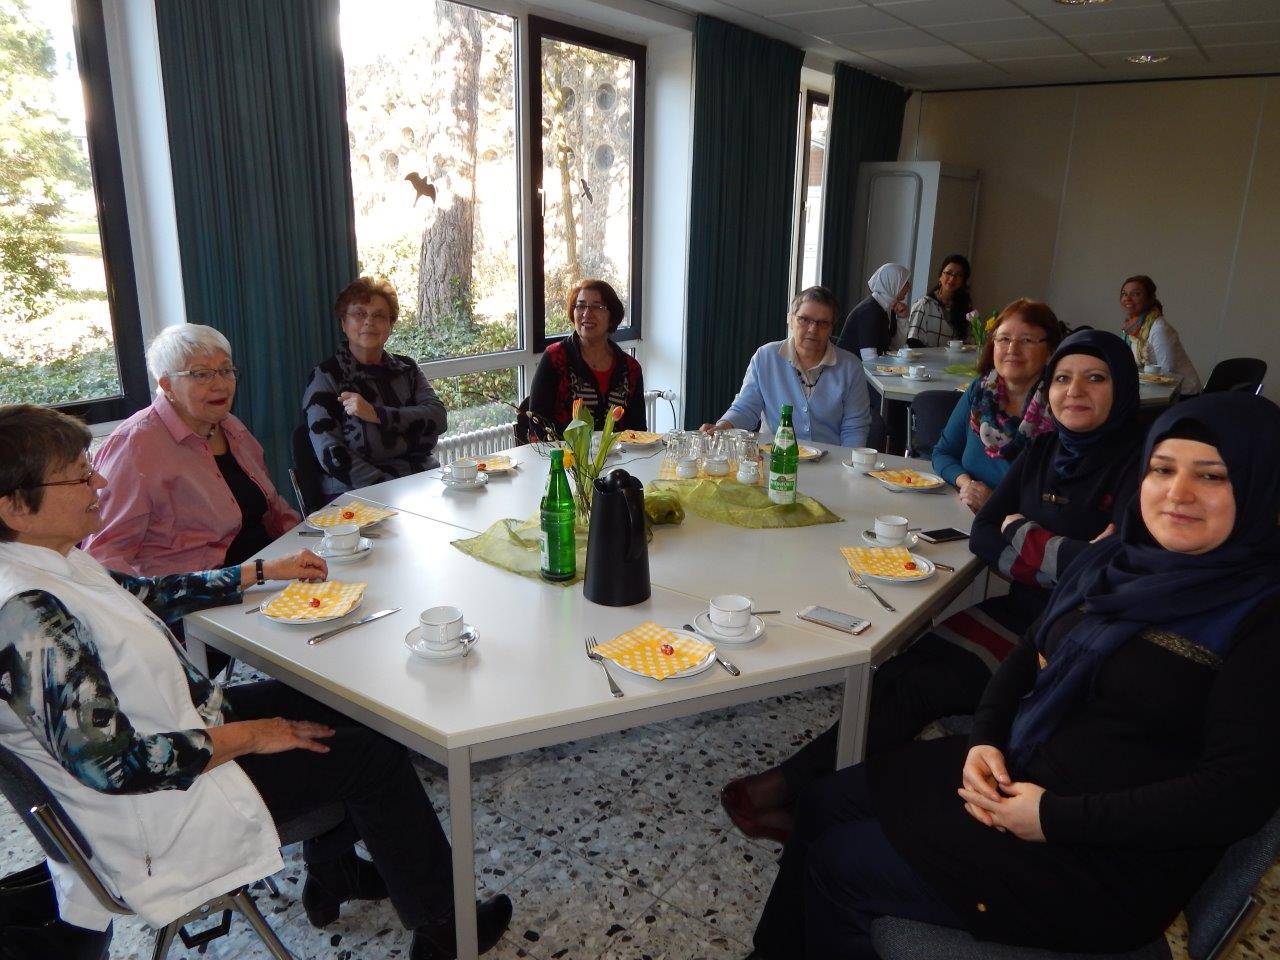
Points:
(844, 622)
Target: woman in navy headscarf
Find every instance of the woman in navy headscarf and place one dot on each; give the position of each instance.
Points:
(1120, 749)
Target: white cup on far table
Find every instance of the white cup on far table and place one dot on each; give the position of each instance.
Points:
(440, 627)
(864, 458)
(869, 353)
(955, 346)
(463, 469)
(730, 613)
(1152, 368)
(891, 530)
(917, 371)
(906, 353)
(341, 538)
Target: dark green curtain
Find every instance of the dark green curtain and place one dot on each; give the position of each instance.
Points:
(745, 91)
(865, 124)
(256, 103)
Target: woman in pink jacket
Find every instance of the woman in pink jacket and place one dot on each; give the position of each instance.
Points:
(189, 488)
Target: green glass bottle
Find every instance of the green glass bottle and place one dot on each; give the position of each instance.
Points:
(559, 548)
(784, 460)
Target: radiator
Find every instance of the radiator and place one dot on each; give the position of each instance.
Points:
(475, 443)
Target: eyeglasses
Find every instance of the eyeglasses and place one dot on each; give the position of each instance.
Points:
(1005, 341)
(953, 273)
(816, 324)
(87, 480)
(204, 376)
(591, 307)
(359, 315)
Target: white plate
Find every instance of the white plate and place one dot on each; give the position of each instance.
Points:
(490, 469)
(697, 668)
(858, 468)
(306, 623)
(911, 540)
(363, 527)
(925, 379)
(470, 637)
(481, 478)
(702, 623)
(924, 563)
(902, 487)
(362, 551)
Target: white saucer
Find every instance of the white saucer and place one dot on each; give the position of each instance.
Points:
(861, 469)
(911, 540)
(925, 379)
(470, 637)
(359, 553)
(754, 629)
(480, 480)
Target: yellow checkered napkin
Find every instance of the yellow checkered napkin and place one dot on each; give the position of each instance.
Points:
(294, 602)
(361, 513)
(494, 463)
(906, 477)
(882, 561)
(641, 649)
(639, 436)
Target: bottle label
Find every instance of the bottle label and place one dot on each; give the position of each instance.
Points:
(782, 487)
(785, 440)
(543, 549)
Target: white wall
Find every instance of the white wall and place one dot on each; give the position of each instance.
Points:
(1085, 185)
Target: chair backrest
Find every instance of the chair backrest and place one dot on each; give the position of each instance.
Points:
(930, 411)
(1237, 373)
(308, 471)
(1217, 903)
(877, 432)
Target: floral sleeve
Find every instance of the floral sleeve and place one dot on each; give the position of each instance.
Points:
(52, 677)
(174, 596)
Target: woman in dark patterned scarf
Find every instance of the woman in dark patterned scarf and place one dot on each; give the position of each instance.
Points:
(371, 415)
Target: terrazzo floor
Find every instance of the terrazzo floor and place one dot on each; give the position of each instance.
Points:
(614, 848)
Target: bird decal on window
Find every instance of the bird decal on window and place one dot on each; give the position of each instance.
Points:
(586, 190)
(421, 188)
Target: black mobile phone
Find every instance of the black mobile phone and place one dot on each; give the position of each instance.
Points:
(943, 535)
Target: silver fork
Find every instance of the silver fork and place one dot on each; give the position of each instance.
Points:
(591, 654)
(859, 582)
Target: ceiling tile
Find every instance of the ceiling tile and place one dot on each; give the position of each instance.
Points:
(771, 8)
(927, 13)
(958, 75)
(825, 23)
(1227, 33)
(923, 56)
(1053, 69)
(1197, 12)
(1023, 28)
(1085, 20)
(871, 41)
(1017, 49)
(1250, 57)
(1131, 40)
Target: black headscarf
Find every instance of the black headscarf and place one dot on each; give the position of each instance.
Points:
(1129, 582)
(1111, 350)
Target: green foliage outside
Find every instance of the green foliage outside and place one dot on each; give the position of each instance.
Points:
(64, 376)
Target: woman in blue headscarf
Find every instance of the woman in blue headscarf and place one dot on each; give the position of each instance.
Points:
(1121, 748)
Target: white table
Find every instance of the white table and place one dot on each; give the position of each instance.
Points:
(528, 683)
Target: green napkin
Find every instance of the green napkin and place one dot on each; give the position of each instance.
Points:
(513, 545)
(727, 501)
(961, 370)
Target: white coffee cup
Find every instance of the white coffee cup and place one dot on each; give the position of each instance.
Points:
(869, 353)
(716, 466)
(341, 538)
(955, 346)
(1152, 368)
(864, 458)
(463, 469)
(440, 627)
(730, 613)
(906, 353)
(917, 371)
(891, 530)
(687, 469)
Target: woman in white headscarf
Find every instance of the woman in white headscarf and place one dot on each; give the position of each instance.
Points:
(873, 323)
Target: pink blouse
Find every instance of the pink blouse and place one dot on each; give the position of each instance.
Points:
(166, 508)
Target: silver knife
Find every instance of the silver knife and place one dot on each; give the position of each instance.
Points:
(727, 665)
(321, 637)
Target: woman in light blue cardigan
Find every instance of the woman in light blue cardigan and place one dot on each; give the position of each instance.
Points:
(824, 385)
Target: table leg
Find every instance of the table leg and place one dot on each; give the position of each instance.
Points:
(853, 715)
(462, 838)
(197, 652)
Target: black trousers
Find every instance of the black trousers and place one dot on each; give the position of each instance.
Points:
(372, 777)
(930, 679)
(838, 873)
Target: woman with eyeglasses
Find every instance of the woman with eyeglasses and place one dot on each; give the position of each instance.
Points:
(1151, 337)
(1000, 412)
(371, 415)
(824, 385)
(189, 488)
(939, 315)
(586, 365)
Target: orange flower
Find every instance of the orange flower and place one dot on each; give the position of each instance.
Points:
(616, 413)
(577, 408)
(568, 458)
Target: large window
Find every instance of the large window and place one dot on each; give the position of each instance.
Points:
(813, 146)
(69, 329)
(587, 92)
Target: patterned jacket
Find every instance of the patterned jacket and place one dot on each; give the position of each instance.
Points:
(563, 377)
(354, 453)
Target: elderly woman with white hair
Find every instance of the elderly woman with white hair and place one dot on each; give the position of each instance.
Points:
(189, 489)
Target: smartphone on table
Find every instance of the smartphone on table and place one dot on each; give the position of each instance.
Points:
(943, 535)
(835, 619)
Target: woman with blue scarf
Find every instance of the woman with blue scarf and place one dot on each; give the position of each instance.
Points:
(1121, 748)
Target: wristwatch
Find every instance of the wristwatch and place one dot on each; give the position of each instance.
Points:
(257, 569)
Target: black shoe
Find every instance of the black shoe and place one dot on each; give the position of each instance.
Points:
(438, 941)
(334, 882)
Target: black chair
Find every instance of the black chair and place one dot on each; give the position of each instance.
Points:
(1237, 373)
(63, 842)
(307, 474)
(877, 432)
(1217, 916)
(929, 414)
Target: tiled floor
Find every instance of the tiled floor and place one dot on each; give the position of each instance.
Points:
(612, 849)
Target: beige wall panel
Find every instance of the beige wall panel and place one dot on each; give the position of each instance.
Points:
(1018, 140)
(1251, 325)
(1155, 185)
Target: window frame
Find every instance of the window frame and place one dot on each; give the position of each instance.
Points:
(536, 29)
(810, 98)
(107, 171)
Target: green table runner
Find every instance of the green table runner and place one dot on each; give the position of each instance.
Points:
(727, 501)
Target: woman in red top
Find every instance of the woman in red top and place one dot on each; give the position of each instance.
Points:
(586, 365)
